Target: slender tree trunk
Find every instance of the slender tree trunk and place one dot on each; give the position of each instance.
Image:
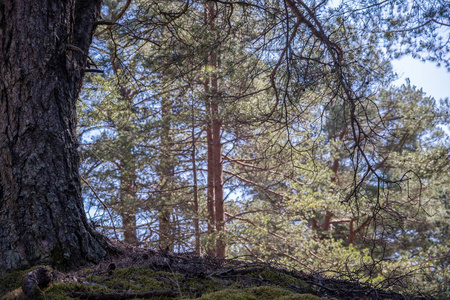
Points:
(351, 233)
(218, 182)
(129, 229)
(217, 162)
(165, 229)
(43, 46)
(210, 181)
(214, 139)
(166, 172)
(198, 249)
(127, 206)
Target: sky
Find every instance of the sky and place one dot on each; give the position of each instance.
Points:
(434, 80)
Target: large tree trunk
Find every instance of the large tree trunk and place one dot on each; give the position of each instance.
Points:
(42, 57)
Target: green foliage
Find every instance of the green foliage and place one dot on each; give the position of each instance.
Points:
(315, 177)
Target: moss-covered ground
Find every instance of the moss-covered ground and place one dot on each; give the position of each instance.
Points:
(153, 275)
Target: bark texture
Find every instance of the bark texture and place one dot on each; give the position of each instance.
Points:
(215, 203)
(43, 46)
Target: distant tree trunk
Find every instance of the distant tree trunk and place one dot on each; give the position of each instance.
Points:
(217, 161)
(43, 48)
(214, 138)
(127, 206)
(218, 182)
(166, 172)
(127, 194)
(129, 228)
(198, 249)
(210, 181)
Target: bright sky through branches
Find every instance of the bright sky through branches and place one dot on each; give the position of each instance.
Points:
(435, 81)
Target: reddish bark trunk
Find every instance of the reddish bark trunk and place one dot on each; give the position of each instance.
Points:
(218, 182)
(327, 220)
(210, 181)
(214, 136)
(351, 234)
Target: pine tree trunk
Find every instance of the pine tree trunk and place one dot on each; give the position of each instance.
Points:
(214, 138)
(129, 229)
(210, 181)
(165, 230)
(42, 56)
(128, 204)
(166, 172)
(198, 249)
(218, 182)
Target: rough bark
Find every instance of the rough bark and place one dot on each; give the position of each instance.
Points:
(43, 46)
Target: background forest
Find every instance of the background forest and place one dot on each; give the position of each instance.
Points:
(270, 130)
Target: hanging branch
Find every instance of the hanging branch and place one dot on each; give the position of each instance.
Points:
(113, 22)
(103, 204)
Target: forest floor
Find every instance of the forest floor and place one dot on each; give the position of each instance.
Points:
(148, 274)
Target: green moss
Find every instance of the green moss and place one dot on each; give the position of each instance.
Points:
(12, 281)
(281, 279)
(133, 278)
(142, 279)
(268, 292)
(301, 297)
(16, 294)
(258, 293)
(196, 286)
(59, 291)
(229, 294)
(87, 271)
